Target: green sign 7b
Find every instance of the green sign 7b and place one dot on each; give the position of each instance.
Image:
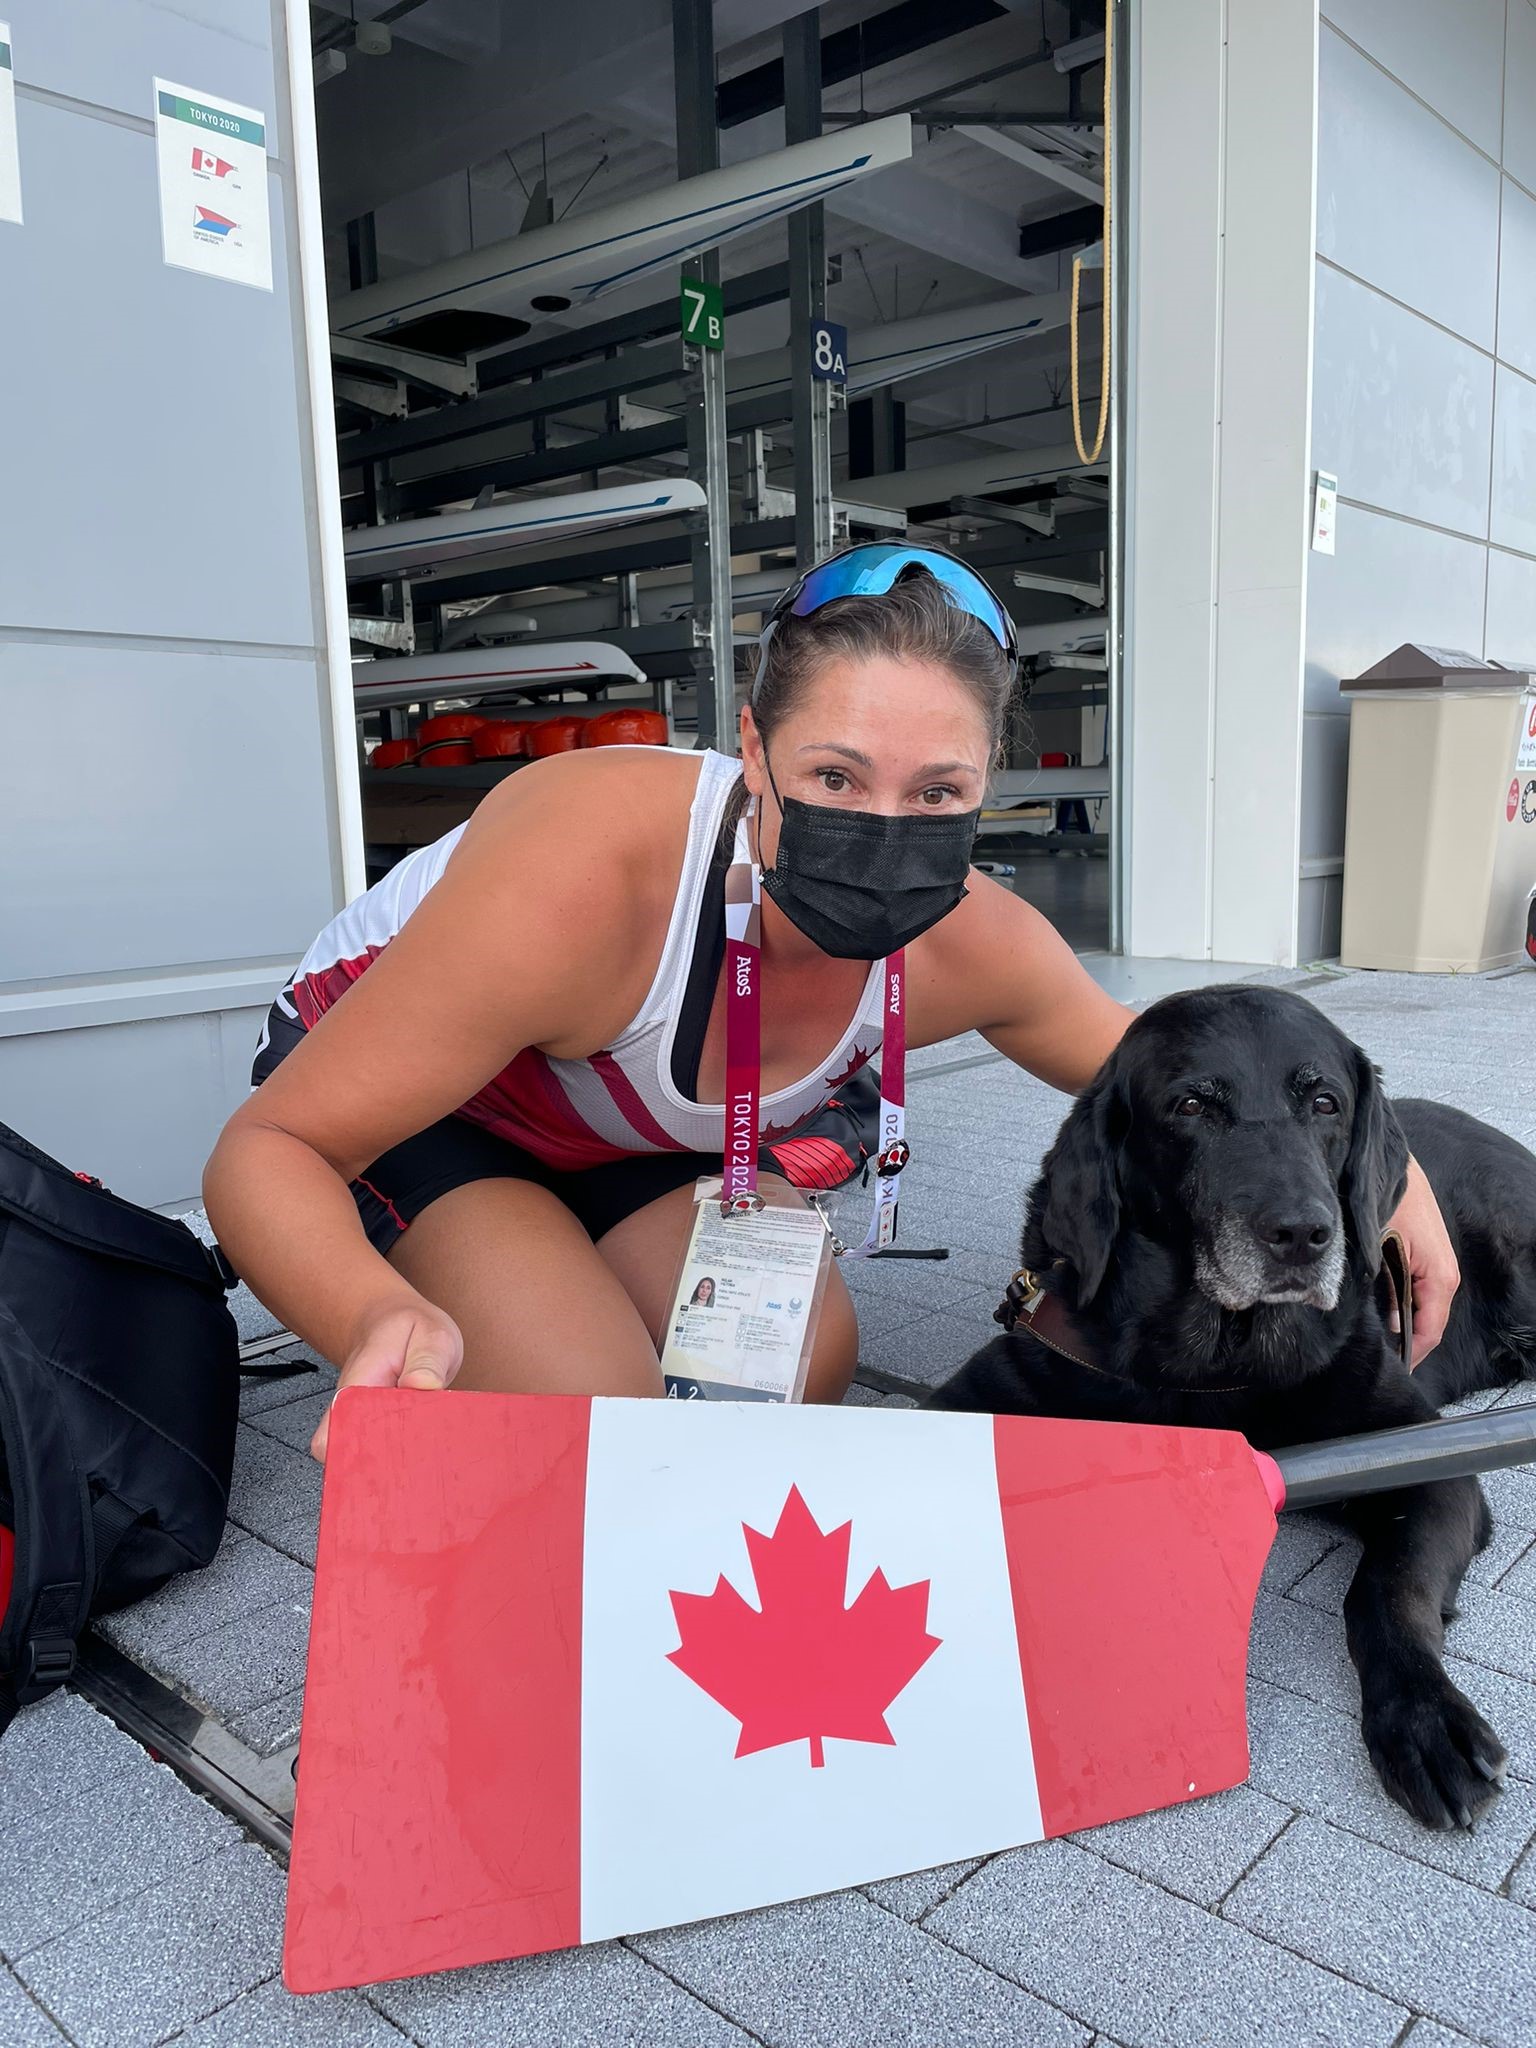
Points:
(701, 314)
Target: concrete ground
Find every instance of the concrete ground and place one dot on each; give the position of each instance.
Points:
(1302, 1910)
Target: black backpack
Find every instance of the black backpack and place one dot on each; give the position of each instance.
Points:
(119, 1394)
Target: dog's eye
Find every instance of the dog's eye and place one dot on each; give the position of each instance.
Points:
(1325, 1105)
(1189, 1105)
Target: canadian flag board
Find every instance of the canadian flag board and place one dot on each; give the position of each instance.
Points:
(581, 1668)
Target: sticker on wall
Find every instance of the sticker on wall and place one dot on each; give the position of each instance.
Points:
(1512, 802)
(1528, 803)
(1525, 757)
(10, 161)
(1325, 511)
(212, 156)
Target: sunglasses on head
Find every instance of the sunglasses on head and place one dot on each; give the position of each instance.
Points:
(873, 568)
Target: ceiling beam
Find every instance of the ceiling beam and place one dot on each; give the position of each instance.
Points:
(1034, 160)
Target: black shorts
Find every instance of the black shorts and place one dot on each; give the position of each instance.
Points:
(394, 1190)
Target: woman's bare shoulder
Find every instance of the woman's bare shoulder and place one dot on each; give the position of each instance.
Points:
(638, 793)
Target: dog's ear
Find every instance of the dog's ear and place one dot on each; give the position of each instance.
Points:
(1376, 1171)
(1075, 1207)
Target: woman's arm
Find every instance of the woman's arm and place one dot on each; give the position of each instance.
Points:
(485, 966)
(1021, 985)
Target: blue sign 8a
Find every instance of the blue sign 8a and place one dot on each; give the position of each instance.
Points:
(829, 352)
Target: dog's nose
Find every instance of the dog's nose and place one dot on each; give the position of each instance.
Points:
(1297, 1235)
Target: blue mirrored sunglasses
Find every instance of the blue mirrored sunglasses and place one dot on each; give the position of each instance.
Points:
(871, 569)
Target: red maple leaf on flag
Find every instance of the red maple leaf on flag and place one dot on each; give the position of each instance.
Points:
(801, 1666)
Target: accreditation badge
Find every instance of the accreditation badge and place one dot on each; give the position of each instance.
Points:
(743, 1313)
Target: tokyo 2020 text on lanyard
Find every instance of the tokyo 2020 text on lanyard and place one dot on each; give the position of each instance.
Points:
(743, 1060)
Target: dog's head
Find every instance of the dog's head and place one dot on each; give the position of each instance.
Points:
(1242, 1132)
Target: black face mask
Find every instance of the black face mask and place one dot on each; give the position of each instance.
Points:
(860, 885)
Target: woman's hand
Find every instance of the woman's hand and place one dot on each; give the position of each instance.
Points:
(1431, 1262)
(410, 1344)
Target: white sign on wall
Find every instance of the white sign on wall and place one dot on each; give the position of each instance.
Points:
(10, 162)
(1525, 753)
(212, 158)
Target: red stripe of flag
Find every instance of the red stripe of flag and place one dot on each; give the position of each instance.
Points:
(1158, 1531)
(459, 1742)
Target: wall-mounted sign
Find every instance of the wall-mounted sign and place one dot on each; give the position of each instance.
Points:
(829, 352)
(10, 162)
(212, 156)
(701, 314)
(1325, 512)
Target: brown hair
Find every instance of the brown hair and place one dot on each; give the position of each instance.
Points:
(915, 620)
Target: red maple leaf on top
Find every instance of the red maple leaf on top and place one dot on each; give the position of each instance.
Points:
(802, 1666)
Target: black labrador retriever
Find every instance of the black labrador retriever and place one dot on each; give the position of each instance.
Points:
(1207, 1233)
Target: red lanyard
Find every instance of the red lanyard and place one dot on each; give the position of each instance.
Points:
(744, 1058)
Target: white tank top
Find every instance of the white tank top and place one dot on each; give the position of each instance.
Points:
(626, 1098)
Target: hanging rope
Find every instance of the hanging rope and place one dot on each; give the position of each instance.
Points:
(1085, 454)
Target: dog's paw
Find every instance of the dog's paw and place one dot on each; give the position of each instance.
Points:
(1435, 1754)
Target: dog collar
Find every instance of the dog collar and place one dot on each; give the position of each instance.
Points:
(1027, 1302)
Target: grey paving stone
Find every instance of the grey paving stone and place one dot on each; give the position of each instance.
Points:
(921, 1890)
(1148, 1968)
(23, 2023)
(1302, 1649)
(63, 1860)
(273, 1484)
(61, 1747)
(1430, 2034)
(295, 1422)
(271, 2017)
(271, 1726)
(297, 1539)
(1199, 1849)
(260, 1391)
(246, 1576)
(871, 1397)
(172, 1955)
(247, 1662)
(1522, 1883)
(1512, 1495)
(826, 1972)
(1519, 1576)
(1313, 1757)
(1300, 1542)
(602, 1997)
(925, 1348)
(1439, 1946)
(1325, 1586)
(1497, 1629)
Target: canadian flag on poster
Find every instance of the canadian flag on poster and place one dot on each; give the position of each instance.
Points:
(579, 1668)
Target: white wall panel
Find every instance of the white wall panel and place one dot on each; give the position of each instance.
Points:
(202, 846)
(172, 502)
(1511, 610)
(1514, 463)
(1520, 94)
(1402, 200)
(1517, 278)
(1389, 581)
(1449, 52)
(110, 56)
(1401, 411)
(98, 1100)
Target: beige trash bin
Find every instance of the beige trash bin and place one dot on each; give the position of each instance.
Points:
(1440, 839)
